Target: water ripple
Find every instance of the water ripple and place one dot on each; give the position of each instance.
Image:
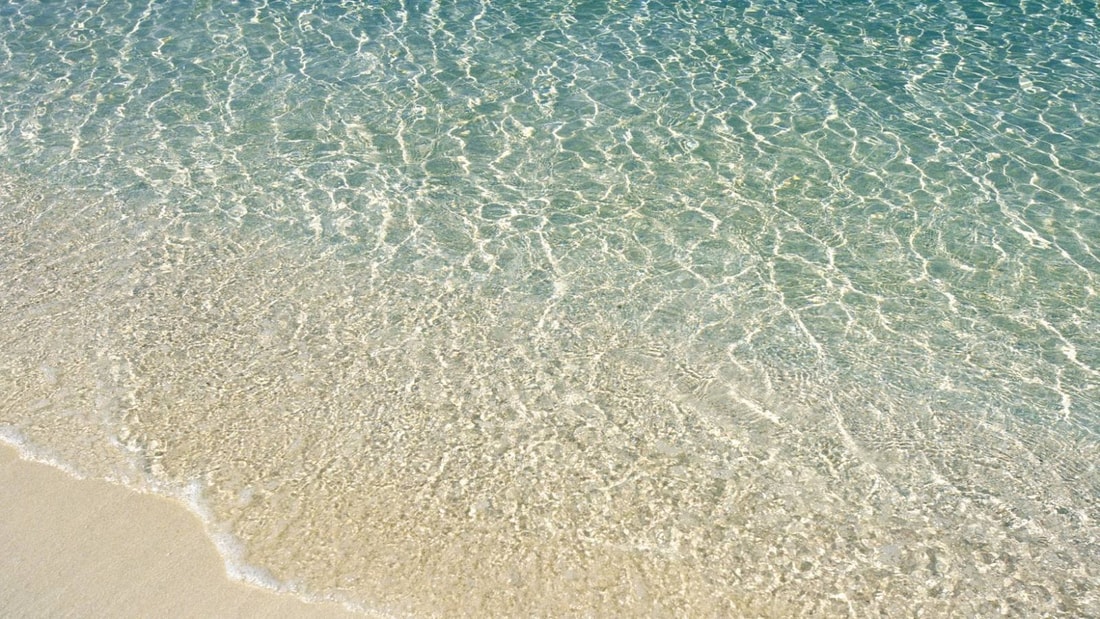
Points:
(562, 307)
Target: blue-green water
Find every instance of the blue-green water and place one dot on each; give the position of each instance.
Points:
(572, 308)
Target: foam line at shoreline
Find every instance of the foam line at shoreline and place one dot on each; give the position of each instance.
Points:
(85, 547)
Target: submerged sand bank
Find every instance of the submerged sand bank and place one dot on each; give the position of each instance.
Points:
(89, 548)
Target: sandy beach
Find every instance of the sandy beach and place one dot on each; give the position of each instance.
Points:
(492, 308)
(88, 548)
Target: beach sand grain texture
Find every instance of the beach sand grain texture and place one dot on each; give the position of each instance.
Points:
(89, 548)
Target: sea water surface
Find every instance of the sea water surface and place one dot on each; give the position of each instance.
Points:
(568, 308)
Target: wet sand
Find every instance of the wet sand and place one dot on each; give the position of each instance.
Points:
(89, 548)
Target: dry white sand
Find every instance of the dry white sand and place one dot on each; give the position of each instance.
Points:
(87, 548)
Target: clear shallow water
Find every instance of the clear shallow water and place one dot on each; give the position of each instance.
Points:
(572, 308)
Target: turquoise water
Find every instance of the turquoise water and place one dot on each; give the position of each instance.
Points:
(572, 308)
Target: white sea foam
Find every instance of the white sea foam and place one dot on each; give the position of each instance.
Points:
(228, 546)
(12, 437)
(710, 309)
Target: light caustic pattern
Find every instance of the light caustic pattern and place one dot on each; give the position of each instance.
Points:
(565, 308)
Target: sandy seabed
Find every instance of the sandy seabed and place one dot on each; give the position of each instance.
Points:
(89, 548)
